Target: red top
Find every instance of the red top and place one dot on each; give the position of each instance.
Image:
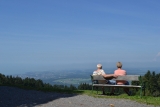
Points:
(120, 72)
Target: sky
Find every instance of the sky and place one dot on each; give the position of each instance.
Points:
(48, 35)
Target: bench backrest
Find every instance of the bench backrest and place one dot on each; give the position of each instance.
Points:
(97, 77)
(126, 77)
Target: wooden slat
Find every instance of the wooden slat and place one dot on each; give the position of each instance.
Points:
(126, 77)
(108, 85)
(98, 77)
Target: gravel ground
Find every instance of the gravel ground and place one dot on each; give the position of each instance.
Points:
(15, 97)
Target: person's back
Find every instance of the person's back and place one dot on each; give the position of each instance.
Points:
(119, 71)
(99, 71)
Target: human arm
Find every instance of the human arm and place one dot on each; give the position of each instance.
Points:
(109, 76)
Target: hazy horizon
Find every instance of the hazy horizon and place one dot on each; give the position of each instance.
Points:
(140, 70)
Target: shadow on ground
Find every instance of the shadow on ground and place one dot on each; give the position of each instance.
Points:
(15, 97)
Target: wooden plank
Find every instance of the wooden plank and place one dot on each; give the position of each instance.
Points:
(126, 77)
(108, 85)
(98, 77)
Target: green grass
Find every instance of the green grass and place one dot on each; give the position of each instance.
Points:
(72, 80)
(145, 99)
(149, 100)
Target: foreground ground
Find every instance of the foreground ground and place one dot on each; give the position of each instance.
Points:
(15, 97)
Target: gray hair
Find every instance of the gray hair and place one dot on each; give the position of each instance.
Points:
(99, 65)
(119, 65)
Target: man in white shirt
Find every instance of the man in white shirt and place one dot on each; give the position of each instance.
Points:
(100, 71)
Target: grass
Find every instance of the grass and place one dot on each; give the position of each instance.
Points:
(149, 100)
(145, 99)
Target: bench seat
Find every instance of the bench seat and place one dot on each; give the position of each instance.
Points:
(125, 86)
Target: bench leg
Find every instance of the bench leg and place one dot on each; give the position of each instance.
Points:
(141, 92)
(97, 89)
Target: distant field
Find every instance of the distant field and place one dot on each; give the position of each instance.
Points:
(73, 81)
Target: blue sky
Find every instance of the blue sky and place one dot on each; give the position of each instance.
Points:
(42, 35)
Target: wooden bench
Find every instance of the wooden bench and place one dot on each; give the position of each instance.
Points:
(101, 82)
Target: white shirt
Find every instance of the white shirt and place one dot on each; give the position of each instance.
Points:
(99, 72)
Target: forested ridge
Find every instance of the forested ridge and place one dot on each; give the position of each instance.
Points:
(31, 83)
(151, 82)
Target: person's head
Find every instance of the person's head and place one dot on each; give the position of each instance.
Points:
(99, 66)
(119, 65)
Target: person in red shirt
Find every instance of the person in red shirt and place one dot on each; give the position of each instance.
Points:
(120, 71)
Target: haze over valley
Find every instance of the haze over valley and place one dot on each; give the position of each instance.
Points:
(75, 77)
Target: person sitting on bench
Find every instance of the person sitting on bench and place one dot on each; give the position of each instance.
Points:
(100, 71)
(120, 71)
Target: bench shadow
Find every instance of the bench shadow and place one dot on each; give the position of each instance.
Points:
(15, 97)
